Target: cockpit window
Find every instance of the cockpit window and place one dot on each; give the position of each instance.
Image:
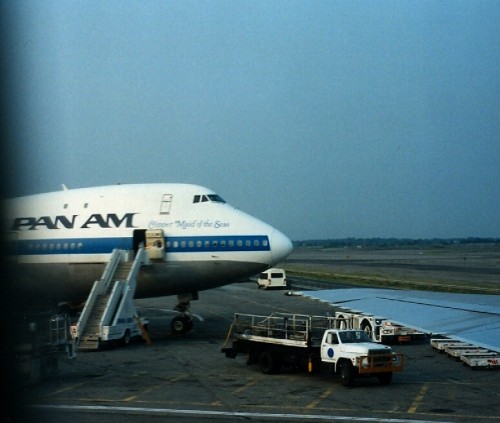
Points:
(216, 198)
(200, 199)
(208, 197)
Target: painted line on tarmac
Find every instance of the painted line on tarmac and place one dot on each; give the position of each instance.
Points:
(171, 411)
(252, 382)
(323, 396)
(418, 399)
(66, 389)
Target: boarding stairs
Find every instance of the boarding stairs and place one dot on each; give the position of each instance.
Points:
(111, 299)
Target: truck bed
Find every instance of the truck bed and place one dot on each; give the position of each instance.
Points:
(282, 329)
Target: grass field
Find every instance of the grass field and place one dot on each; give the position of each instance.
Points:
(472, 269)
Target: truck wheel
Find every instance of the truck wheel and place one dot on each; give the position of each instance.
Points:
(126, 338)
(346, 373)
(385, 378)
(268, 363)
(367, 327)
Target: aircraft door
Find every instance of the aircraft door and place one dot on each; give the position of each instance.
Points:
(155, 244)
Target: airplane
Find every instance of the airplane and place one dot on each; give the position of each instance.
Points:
(59, 242)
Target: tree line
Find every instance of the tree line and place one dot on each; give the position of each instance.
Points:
(394, 242)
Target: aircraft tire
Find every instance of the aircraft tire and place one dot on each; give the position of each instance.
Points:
(181, 325)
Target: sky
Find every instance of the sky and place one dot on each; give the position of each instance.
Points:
(326, 119)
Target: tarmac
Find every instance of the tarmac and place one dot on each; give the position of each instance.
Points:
(188, 378)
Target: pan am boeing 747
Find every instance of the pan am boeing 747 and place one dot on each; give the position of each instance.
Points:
(60, 242)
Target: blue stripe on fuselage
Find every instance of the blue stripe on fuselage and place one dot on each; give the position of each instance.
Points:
(176, 244)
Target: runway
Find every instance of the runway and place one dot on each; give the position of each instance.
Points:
(188, 378)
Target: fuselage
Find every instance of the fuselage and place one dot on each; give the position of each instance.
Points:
(60, 242)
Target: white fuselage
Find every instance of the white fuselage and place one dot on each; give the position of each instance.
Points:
(60, 242)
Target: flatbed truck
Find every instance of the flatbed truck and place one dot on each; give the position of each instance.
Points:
(310, 343)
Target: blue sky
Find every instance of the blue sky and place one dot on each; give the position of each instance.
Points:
(327, 119)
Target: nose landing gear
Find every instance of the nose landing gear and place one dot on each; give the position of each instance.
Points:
(184, 322)
(181, 324)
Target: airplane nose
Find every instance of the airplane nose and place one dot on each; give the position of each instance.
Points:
(281, 247)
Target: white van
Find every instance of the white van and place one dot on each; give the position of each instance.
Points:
(272, 278)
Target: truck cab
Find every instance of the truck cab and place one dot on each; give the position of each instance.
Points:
(353, 354)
